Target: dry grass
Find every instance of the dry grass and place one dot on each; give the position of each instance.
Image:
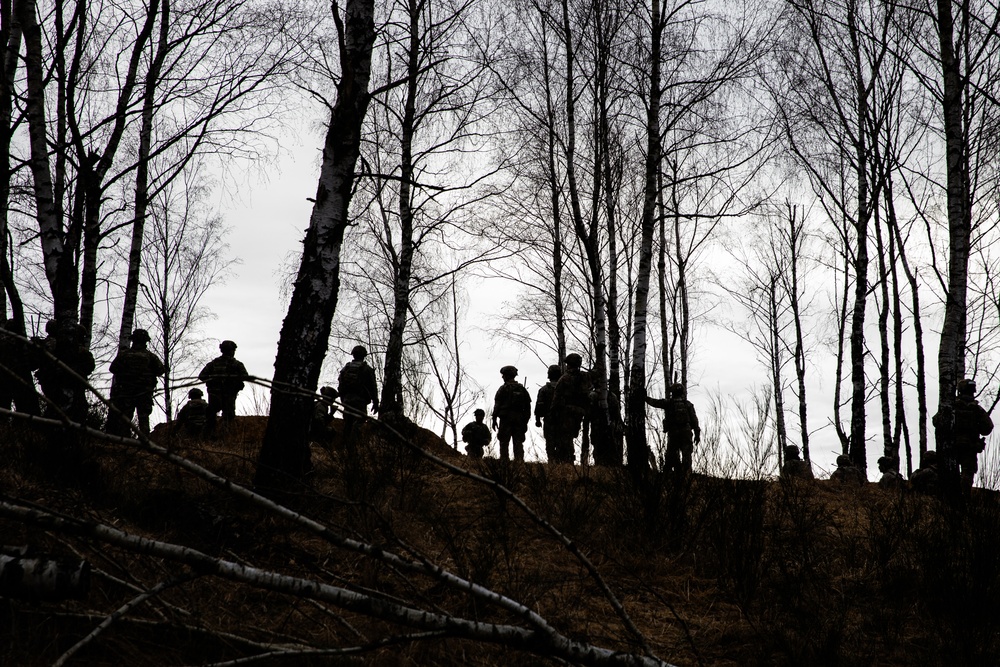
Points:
(714, 572)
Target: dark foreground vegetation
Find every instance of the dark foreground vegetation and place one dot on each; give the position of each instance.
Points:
(711, 572)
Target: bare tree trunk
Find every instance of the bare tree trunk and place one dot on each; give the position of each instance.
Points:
(391, 402)
(638, 459)
(918, 340)
(587, 237)
(838, 423)
(557, 242)
(776, 364)
(666, 341)
(93, 166)
(54, 252)
(796, 226)
(951, 350)
(305, 331)
(613, 453)
(142, 192)
(901, 432)
(858, 447)
(10, 38)
(883, 333)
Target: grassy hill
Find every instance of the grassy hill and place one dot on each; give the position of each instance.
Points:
(704, 572)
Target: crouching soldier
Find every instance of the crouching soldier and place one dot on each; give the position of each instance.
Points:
(477, 435)
(794, 466)
(847, 473)
(194, 414)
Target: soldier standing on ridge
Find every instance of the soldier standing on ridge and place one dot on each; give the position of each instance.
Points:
(477, 434)
(224, 377)
(965, 424)
(569, 406)
(512, 408)
(134, 372)
(543, 407)
(679, 421)
(357, 387)
(64, 390)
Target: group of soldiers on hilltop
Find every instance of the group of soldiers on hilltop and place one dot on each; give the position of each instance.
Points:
(568, 399)
(562, 406)
(961, 430)
(61, 363)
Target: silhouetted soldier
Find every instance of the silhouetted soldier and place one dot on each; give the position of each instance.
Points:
(847, 473)
(794, 466)
(680, 421)
(65, 390)
(357, 390)
(927, 478)
(966, 423)
(890, 479)
(134, 372)
(512, 409)
(477, 435)
(321, 428)
(194, 415)
(17, 359)
(224, 377)
(569, 406)
(543, 407)
(604, 425)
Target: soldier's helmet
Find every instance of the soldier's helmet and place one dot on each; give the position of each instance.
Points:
(791, 452)
(52, 327)
(479, 412)
(554, 372)
(328, 392)
(843, 460)
(574, 360)
(140, 336)
(75, 331)
(227, 345)
(359, 352)
(930, 458)
(195, 393)
(966, 386)
(677, 390)
(888, 463)
(508, 371)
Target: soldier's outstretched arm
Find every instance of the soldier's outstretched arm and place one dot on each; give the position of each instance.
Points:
(656, 402)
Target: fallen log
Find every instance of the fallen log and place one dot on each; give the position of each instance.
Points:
(43, 578)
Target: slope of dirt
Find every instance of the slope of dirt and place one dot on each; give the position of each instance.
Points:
(709, 571)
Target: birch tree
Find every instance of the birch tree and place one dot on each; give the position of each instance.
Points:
(305, 332)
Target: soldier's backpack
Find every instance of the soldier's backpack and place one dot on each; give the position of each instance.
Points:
(349, 381)
(520, 401)
(677, 417)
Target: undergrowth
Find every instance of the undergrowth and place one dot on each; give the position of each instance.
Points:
(713, 571)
